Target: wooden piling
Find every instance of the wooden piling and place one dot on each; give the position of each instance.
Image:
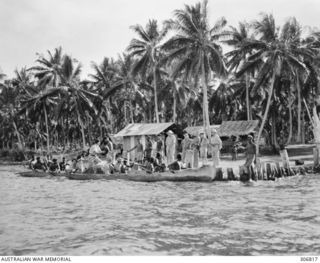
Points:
(302, 171)
(271, 171)
(268, 170)
(259, 169)
(254, 173)
(243, 174)
(278, 170)
(219, 174)
(230, 174)
(264, 171)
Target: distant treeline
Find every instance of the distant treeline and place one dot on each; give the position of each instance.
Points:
(271, 73)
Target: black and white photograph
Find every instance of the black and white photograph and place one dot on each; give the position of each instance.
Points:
(159, 128)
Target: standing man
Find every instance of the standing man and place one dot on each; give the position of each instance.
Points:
(204, 148)
(148, 148)
(251, 155)
(171, 142)
(160, 145)
(196, 149)
(187, 151)
(139, 150)
(186, 145)
(216, 145)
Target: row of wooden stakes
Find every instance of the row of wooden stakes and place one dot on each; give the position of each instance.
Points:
(263, 171)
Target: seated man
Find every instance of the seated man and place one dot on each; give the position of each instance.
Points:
(62, 164)
(39, 165)
(71, 167)
(95, 148)
(119, 167)
(32, 162)
(54, 166)
(177, 165)
(104, 146)
(149, 165)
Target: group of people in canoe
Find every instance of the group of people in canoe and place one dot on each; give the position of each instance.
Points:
(154, 154)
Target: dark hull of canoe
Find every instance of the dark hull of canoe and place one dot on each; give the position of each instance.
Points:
(188, 175)
(80, 176)
(141, 178)
(37, 174)
(171, 178)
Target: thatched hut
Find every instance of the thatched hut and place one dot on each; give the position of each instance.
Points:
(228, 129)
(196, 130)
(133, 131)
(238, 128)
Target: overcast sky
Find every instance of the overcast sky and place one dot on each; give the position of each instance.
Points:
(92, 29)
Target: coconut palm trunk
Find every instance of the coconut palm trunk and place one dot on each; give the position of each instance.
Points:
(82, 129)
(206, 121)
(247, 96)
(17, 133)
(290, 123)
(274, 130)
(47, 127)
(155, 94)
(174, 107)
(125, 112)
(299, 110)
(131, 111)
(267, 110)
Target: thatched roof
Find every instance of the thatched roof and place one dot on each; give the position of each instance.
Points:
(139, 129)
(195, 130)
(237, 128)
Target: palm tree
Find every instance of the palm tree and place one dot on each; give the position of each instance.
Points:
(74, 95)
(274, 54)
(9, 102)
(239, 40)
(147, 52)
(42, 102)
(47, 72)
(223, 99)
(196, 49)
(103, 79)
(175, 88)
(125, 80)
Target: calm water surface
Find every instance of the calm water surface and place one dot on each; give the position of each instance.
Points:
(58, 216)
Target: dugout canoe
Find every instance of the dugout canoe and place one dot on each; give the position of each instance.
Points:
(187, 175)
(35, 173)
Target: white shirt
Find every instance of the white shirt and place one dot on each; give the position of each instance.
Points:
(95, 149)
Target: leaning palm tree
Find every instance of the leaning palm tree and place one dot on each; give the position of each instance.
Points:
(196, 49)
(148, 53)
(274, 54)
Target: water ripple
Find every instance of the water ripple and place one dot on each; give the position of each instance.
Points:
(62, 217)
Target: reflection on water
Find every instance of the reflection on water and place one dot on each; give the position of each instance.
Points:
(63, 217)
